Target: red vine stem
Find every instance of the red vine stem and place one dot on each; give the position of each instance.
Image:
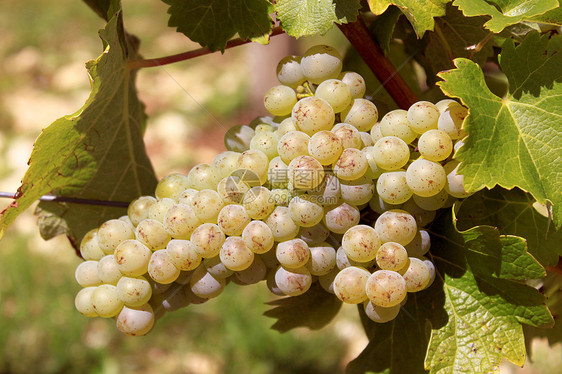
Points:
(148, 63)
(359, 36)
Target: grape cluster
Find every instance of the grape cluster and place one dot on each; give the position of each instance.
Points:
(284, 205)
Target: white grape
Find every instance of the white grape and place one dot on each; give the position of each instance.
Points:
(376, 133)
(361, 243)
(152, 233)
(281, 224)
(258, 237)
(138, 209)
(289, 71)
(258, 202)
(351, 165)
(327, 281)
(355, 82)
(442, 105)
(423, 116)
(386, 288)
(432, 202)
(455, 182)
(83, 302)
(225, 163)
(287, 125)
(158, 210)
(321, 62)
(113, 232)
(105, 301)
(391, 153)
(235, 255)
(108, 270)
(180, 221)
(431, 268)
(350, 283)
(86, 274)
(315, 234)
(305, 172)
(255, 273)
(349, 135)
(205, 285)
(313, 114)
(89, 248)
(207, 239)
(232, 189)
(325, 146)
(343, 261)
(161, 268)
(183, 254)
(328, 192)
(171, 186)
(255, 161)
(392, 256)
(373, 170)
(293, 254)
(420, 245)
(423, 217)
(186, 197)
(357, 192)
(237, 138)
(435, 145)
(396, 226)
(381, 314)
(292, 145)
(135, 321)
(293, 282)
(233, 219)
(451, 120)
(132, 257)
(417, 275)
(395, 123)
(304, 211)
(322, 259)
(279, 100)
(366, 138)
(341, 218)
(335, 92)
(217, 268)
(378, 205)
(202, 176)
(134, 292)
(277, 173)
(361, 113)
(392, 187)
(266, 142)
(425, 178)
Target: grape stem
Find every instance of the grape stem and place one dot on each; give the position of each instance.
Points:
(359, 36)
(152, 62)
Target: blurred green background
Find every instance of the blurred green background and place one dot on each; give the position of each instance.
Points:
(43, 48)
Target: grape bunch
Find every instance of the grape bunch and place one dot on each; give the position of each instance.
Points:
(284, 205)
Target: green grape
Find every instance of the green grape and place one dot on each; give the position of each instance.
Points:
(313, 114)
(325, 146)
(171, 186)
(83, 302)
(357, 192)
(255, 273)
(322, 259)
(217, 268)
(366, 139)
(161, 268)
(442, 105)
(187, 196)
(314, 235)
(204, 285)
(237, 138)
(105, 301)
(258, 202)
(361, 113)
(279, 100)
(108, 270)
(277, 173)
(132, 257)
(335, 92)
(255, 161)
(235, 255)
(180, 221)
(293, 282)
(431, 268)
(328, 192)
(451, 120)
(258, 237)
(281, 224)
(86, 274)
(381, 314)
(266, 142)
(134, 292)
(423, 217)
(425, 178)
(183, 254)
(423, 116)
(233, 219)
(350, 283)
(207, 239)
(293, 254)
(435, 145)
(289, 71)
(135, 321)
(420, 245)
(378, 205)
(287, 125)
(207, 205)
(89, 248)
(349, 135)
(340, 218)
(113, 232)
(152, 233)
(391, 153)
(392, 256)
(395, 123)
(376, 133)
(343, 261)
(225, 163)
(454, 182)
(292, 145)
(351, 165)
(321, 62)
(327, 281)
(355, 82)
(158, 210)
(138, 209)
(386, 288)
(304, 211)
(432, 202)
(396, 226)
(373, 170)
(417, 275)
(392, 187)
(305, 172)
(232, 189)
(202, 176)
(361, 243)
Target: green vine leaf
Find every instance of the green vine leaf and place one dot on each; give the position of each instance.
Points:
(314, 309)
(505, 13)
(212, 23)
(104, 8)
(514, 141)
(512, 212)
(420, 13)
(95, 153)
(310, 17)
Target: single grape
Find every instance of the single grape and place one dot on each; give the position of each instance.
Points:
(258, 237)
(287, 125)
(423, 217)
(322, 259)
(186, 197)
(135, 321)
(289, 71)
(455, 182)
(314, 235)
(152, 233)
(225, 163)
(386, 288)
(432, 202)
(325, 146)
(343, 261)
(304, 211)
(293, 254)
(161, 268)
(361, 113)
(417, 275)
(174, 298)
(207, 239)
(217, 268)
(381, 314)
(132, 257)
(355, 82)
(113, 232)
(281, 196)
(270, 283)
(183, 254)
(86, 274)
(235, 255)
(184, 276)
(373, 170)
(392, 187)
(392, 256)
(395, 123)
(158, 210)
(328, 192)
(258, 202)
(451, 120)
(238, 138)
(340, 218)
(431, 268)
(423, 116)
(292, 145)
(420, 245)
(378, 205)
(305, 172)
(425, 178)
(232, 189)
(255, 273)
(83, 302)
(138, 209)
(361, 243)
(327, 281)
(233, 219)
(321, 62)
(391, 153)
(396, 226)
(277, 174)
(442, 105)
(105, 301)
(351, 165)
(171, 186)
(357, 192)
(134, 292)
(313, 114)
(204, 285)
(350, 283)
(266, 142)
(279, 100)
(202, 176)
(281, 224)
(89, 248)
(108, 270)
(180, 221)
(376, 133)
(366, 138)
(349, 135)
(293, 282)
(255, 161)
(335, 92)
(435, 145)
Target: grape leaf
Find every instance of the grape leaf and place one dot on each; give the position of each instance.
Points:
(552, 17)
(383, 27)
(420, 13)
(212, 23)
(104, 8)
(514, 141)
(97, 152)
(310, 17)
(512, 212)
(314, 309)
(505, 12)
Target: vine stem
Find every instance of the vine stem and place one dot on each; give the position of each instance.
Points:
(75, 200)
(153, 62)
(359, 36)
